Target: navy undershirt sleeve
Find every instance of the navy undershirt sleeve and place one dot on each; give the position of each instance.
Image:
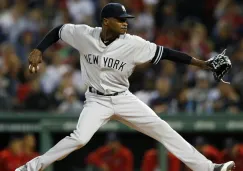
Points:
(170, 54)
(50, 38)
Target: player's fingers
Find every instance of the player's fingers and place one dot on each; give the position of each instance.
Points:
(33, 69)
(30, 68)
(37, 68)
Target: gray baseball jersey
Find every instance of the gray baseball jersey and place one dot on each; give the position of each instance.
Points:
(107, 68)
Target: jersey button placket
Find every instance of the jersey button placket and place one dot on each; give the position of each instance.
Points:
(102, 66)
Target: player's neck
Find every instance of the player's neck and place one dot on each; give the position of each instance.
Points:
(107, 36)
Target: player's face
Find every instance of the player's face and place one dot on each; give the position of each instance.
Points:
(118, 25)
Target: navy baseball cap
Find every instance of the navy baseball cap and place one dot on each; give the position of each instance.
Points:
(115, 10)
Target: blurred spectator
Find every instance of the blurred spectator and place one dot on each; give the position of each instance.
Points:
(70, 104)
(227, 152)
(35, 21)
(99, 5)
(50, 14)
(208, 150)
(182, 99)
(77, 81)
(221, 7)
(151, 161)
(166, 15)
(66, 83)
(112, 156)
(61, 17)
(238, 156)
(168, 70)
(81, 11)
(198, 43)
(233, 151)
(143, 24)
(8, 75)
(166, 23)
(24, 88)
(4, 4)
(138, 77)
(237, 70)
(11, 156)
(148, 92)
(37, 100)
(53, 73)
(199, 97)
(5, 104)
(12, 17)
(222, 35)
(227, 100)
(25, 43)
(161, 103)
(29, 145)
(230, 11)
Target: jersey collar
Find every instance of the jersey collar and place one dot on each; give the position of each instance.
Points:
(101, 43)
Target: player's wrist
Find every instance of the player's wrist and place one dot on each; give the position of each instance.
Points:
(37, 51)
(200, 63)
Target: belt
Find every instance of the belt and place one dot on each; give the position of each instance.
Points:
(93, 90)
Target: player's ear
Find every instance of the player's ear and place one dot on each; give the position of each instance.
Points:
(105, 21)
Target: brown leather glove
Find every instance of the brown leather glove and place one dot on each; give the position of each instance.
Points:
(35, 58)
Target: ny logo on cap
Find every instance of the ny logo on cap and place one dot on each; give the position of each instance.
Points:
(123, 8)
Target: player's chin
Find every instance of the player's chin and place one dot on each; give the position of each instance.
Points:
(123, 31)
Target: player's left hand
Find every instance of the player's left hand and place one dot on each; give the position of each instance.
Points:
(219, 65)
(35, 58)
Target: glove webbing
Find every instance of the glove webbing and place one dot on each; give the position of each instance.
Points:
(222, 55)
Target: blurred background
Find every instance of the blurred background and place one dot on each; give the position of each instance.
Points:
(36, 111)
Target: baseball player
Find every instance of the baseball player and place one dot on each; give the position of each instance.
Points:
(108, 56)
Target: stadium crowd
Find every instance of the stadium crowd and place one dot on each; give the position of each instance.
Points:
(19, 150)
(116, 156)
(201, 29)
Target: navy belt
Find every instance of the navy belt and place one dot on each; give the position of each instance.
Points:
(93, 90)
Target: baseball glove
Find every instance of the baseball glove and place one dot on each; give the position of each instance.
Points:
(219, 65)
